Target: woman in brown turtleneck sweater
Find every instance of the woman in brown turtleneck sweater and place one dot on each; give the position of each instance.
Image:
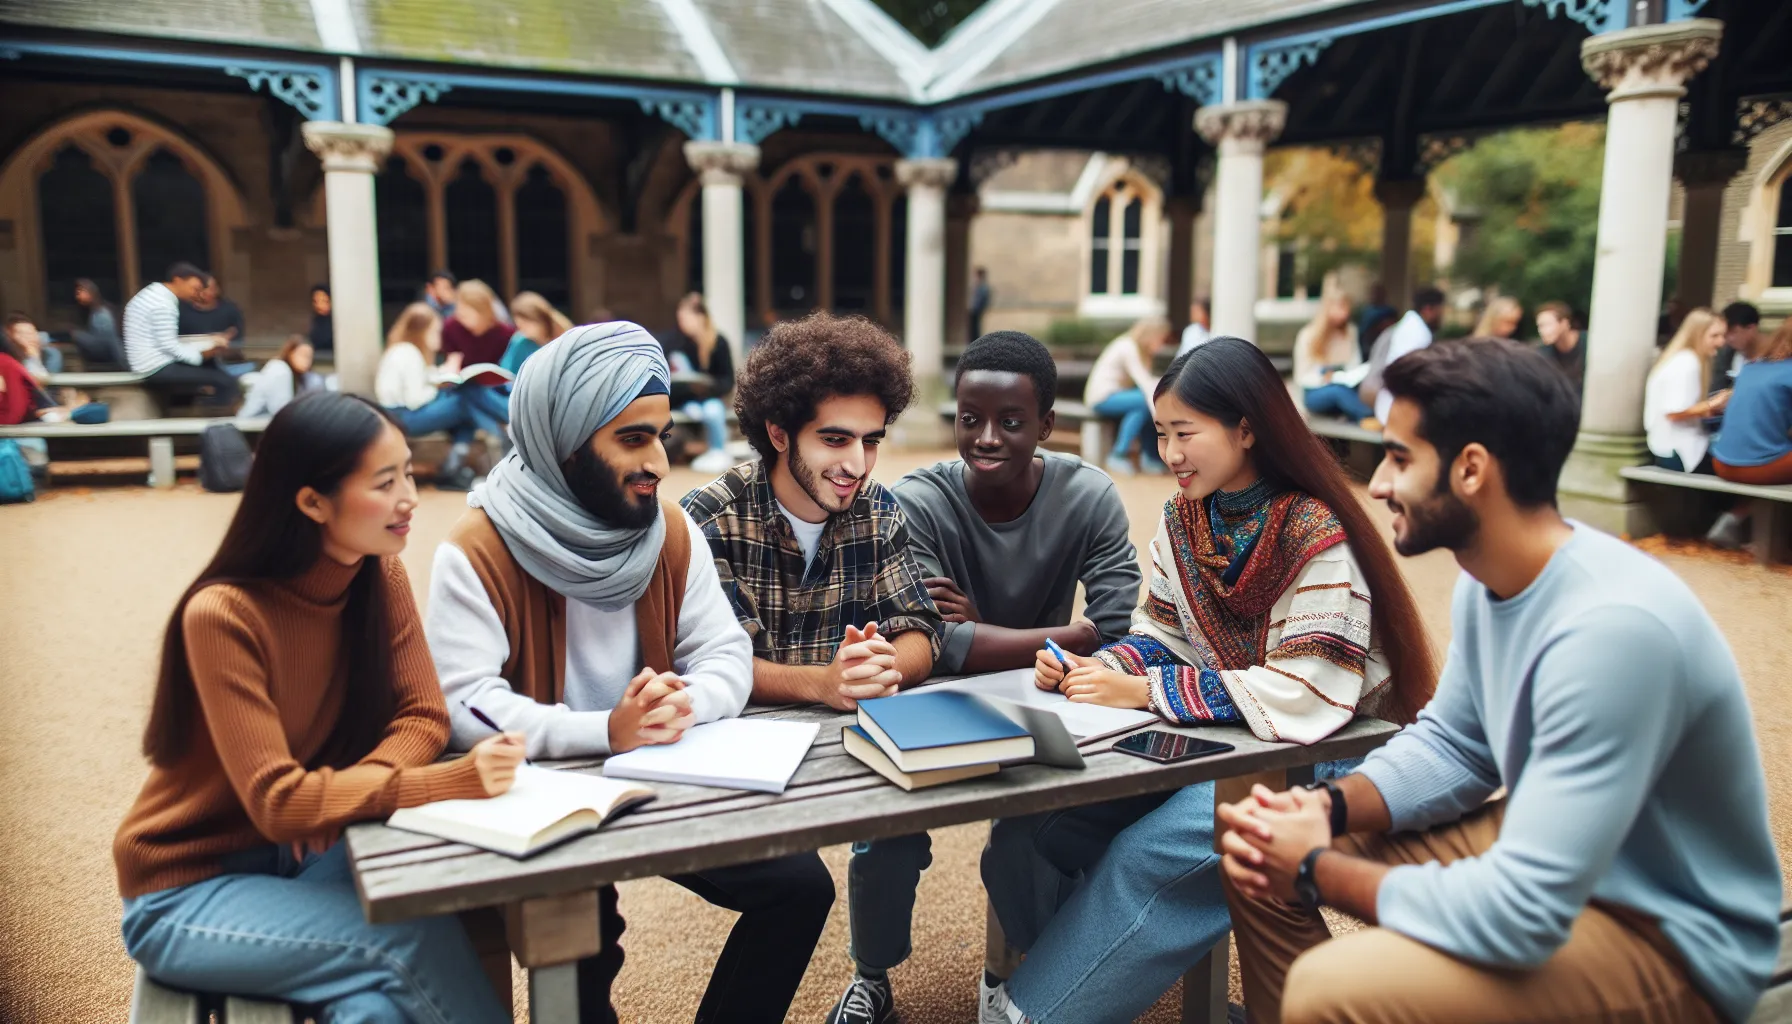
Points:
(295, 697)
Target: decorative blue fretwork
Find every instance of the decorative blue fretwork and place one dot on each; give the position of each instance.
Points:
(694, 117)
(383, 98)
(953, 127)
(1597, 15)
(1199, 81)
(299, 88)
(754, 121)
(1680, 10)
(900, 130)
(1272, 63)
(918, 136)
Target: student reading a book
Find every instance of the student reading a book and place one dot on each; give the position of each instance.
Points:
(295, 697)
(422, 402)
(570, 603)
(817, 561)
(1273, 602)
(1628, 872)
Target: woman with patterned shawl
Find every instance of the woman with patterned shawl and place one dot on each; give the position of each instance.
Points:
(1275, 602)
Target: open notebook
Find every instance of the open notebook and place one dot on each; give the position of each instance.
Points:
(734, 753)
(542, 808)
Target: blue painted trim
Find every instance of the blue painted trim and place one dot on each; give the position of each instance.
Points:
(692, 111)
(1173, 72)
(309, 88)
(1597, 15)
(1263, 76)
(1680, 10)
(755, 120)
(914, 132)
(1268, 65)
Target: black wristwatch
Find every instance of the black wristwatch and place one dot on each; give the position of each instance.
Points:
(1306, 887)
(1340, 813)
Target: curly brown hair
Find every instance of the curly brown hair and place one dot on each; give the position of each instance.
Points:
(801, 363)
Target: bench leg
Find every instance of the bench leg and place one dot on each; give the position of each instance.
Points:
(238, 1010)
(549, 936)
(161, 462)
(1764, 532)
(999, 958)
(153, 1004)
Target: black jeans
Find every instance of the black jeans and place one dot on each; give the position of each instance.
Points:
(187, 380)
(783, 904)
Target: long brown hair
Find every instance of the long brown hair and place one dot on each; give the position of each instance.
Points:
(1232, 380)
(316, 441)
(412, 327)
(533, 306)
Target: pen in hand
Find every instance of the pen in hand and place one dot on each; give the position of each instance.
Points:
(1052, 646)
(485, 720)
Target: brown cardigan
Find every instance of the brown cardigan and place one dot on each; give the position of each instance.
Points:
(534, 615)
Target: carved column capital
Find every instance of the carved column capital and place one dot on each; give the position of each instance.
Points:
(1651, 60)
(1256, 122)
(1697, 167)
(348, 147)
(721, 163)
(926, 172)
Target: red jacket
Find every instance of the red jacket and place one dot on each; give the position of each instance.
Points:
(476, 348)
(15, 398)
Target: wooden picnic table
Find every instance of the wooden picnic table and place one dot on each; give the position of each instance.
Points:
(549, 901)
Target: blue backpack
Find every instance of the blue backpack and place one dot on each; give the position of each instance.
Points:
(15, 474)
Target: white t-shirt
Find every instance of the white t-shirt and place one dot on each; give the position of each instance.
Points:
(1410, 334)
(1193, 337)
(1674, 386)
(808, 535)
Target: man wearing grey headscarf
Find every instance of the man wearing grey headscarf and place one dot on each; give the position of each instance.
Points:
(566, 606)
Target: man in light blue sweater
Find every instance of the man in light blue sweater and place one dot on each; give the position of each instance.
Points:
(1627, 873)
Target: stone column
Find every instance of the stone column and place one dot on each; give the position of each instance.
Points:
(960, 209)
(924, 313)
(1397, 198)
(1240, 131)
(1703, 174)
(1644, 71)
(1179, 290)
(352, 154)
(720, 166)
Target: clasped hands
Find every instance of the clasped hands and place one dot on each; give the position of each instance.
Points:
(1268, 834)
(864, 667)
(654, 709)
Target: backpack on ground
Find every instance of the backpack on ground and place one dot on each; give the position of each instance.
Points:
(15, 474)
(224, 458)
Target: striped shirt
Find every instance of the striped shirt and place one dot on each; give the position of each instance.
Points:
(797, 610)
(152, 330)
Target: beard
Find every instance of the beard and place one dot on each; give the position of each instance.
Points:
(1442, 520)
(603, 490)
(814, 486)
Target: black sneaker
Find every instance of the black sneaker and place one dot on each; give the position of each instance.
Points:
(865, 1001)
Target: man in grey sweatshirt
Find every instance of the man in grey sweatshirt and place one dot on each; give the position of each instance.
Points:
(1628, 873)
(1005, 534)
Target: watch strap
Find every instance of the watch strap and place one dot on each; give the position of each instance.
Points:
(1306, 883)
(1340, 813)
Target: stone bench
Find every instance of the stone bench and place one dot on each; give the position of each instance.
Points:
(152, 1003)
(1764, 503)
(159, 432)
(121, 390)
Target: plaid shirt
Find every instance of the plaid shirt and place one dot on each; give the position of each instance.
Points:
(863, 569)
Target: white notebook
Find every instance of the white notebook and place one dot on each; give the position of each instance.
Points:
(540, 809)
(760, 754)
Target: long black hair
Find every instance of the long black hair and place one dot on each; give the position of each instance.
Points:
(1231, 380)
(316, 441)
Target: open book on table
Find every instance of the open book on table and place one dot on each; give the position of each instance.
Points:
(488, 375)
(541, 808)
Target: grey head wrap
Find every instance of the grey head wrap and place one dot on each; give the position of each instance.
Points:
(573, 386)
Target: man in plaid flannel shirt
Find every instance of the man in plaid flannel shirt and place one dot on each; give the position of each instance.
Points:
(815, 557)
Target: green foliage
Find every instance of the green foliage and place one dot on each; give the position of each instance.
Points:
(1329, 210)
(1529, 199)
(1079, 336)
(929, 20)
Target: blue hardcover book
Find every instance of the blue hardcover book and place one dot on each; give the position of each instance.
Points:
(942, 729)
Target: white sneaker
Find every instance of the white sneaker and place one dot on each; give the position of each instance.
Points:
(993, 1006)
(715, 460)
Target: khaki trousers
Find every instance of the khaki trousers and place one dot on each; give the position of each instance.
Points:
(1615, 967)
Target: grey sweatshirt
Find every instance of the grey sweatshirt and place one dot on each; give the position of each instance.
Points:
(1023, 574)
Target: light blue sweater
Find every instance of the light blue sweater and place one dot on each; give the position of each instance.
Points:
(1607, 703)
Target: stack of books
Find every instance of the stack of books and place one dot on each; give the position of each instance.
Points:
(925, 739)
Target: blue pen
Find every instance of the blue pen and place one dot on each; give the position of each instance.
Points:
(1058, 653)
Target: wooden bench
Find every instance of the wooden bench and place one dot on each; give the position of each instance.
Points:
(160, 432)
(155, 1004)
(1775, 1006)
(1764, 503)
(122, 390)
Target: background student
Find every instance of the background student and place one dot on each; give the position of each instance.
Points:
(1119, 388)
(322, 333)
(281, 379)
(698, 347)
(98, 340)
(1675, 402)
(1325, 354)
(409, 391)
(296, 697)
(537, 323)
(1755, 445)
(152, 341)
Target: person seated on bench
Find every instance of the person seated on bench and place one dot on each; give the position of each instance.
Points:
(1676, 401)
(1500, 319)
(296, 697)
(322, 332)
(1628, 873)
(281, 379)
(422, 404)
(697, 347)
(816, 558)
(537, 323)
(152, 341)
(574, 603)
(1273, 602)
(1410, 333)
(212, 315)
(28, 347)
(1755, 444)
(1119, 388)
(1328, 362)
(99, 343)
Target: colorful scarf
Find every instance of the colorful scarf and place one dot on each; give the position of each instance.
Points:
(1234, 555)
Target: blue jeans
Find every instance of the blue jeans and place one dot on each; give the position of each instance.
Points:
(1338, 400)
(714, 417)
(453, 411)
(1139, 889)
(880, 897)
(276, 928)
(1133, 409)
